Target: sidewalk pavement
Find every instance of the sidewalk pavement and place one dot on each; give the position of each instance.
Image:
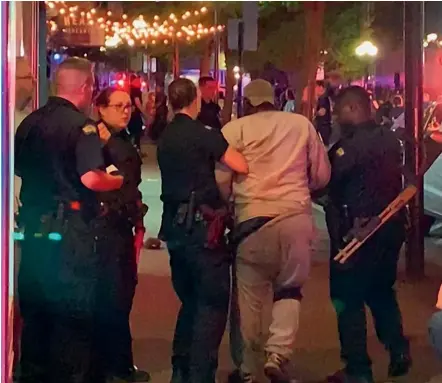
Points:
(317, 351)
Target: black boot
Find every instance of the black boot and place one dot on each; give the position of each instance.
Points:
(180, 370)
(135, 376)
(399, 366)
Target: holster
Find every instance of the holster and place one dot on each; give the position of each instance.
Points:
(186, 213)
(217, 221)
(339, 223)
(130, 212)
(41, 224)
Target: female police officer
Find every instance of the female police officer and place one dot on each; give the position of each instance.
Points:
(122, 213)
(187, 151)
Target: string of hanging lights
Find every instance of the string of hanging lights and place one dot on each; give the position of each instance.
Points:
(135, 32)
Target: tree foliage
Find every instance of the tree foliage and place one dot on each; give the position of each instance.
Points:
(343, 32)
(280, 32)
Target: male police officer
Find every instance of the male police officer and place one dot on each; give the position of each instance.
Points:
(210, 110)
(366, 177)
(193, 226)
(59, 158)
(274, 227)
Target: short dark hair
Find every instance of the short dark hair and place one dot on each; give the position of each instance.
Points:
(103, 98)
(204, 80)
(355, 95)
(182, 92)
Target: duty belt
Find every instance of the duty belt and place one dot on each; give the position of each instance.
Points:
(215, 220)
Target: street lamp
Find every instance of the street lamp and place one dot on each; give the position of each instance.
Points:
(366, 49)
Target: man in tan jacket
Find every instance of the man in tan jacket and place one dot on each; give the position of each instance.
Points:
(273, 226)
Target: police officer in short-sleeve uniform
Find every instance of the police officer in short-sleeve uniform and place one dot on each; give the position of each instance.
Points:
(55, 147)
(187, 151)
(124, 216)
(366, 177)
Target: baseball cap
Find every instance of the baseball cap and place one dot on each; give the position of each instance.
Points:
(258, 92)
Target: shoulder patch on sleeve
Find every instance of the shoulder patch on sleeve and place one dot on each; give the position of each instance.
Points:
(89, 129)
(340, 152)
(208, 127)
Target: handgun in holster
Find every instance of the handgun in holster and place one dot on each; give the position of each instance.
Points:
(345, 224)
(56, 222)
(191, 209)
(185, 214)
(51, 225)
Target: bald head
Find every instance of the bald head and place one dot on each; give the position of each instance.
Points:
(72, 74)
(353, 106)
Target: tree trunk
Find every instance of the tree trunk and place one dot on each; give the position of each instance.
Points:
(314, 20)
(226, 113)
(206, 58)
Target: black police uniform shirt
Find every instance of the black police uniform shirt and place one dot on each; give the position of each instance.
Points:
(366, 170)
(187, 153)
(54, 146)
(325, 120)
(135, 125)
(209, 114)
(120, 152)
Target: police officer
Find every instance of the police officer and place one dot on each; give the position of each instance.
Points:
(123, 218)
(193, 226)
(366, 177)
(59, 158)
(323, 118)
(210, 110)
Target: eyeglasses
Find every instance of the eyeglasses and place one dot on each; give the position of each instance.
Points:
(121, 107)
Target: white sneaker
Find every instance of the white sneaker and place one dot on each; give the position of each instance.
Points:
(274, 368)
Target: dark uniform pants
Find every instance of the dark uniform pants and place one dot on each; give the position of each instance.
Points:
(369, 278)
(325, 130)
(201, 279)
(116, 295)
(57, 287)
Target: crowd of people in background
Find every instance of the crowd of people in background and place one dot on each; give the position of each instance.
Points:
(82, 177)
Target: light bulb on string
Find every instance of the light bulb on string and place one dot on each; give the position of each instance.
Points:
(144, 30)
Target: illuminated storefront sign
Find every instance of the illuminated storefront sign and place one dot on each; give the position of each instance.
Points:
(77, 31)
